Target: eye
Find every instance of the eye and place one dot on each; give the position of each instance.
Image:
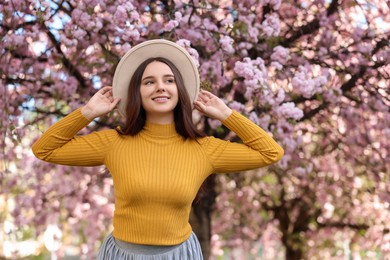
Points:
(170, 81)
(149, 82)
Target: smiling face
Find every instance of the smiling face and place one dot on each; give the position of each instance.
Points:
(159, 95)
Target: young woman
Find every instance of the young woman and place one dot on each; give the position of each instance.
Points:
(158, 159)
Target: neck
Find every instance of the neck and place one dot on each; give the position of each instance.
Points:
(161, 119)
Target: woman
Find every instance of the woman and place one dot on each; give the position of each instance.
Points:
(158, 159)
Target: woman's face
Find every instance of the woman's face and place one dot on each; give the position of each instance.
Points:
(159, 95)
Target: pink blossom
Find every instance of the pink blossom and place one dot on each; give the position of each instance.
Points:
(131, 35)
(187, 45)
(364, 47)
(209, 25)
(322, 51)
(227, 44)
(244, 46)
(300, 171)
(274, 3)
(172, 24)
(305, 85)
(253, 33)
(214, 124)
(255, 75)
(12, 40)
(237, 106)
(178, 16)
(277, 65)
(281, 95)
(121, 15)
(264, 121)
(254, 118)
(383, 55)
(333, 95)
(280, 54)
(289, 110)
(228, 20)
(134, 15)
(271, 25)
(98, 25)
(125, 47)
(79, 33)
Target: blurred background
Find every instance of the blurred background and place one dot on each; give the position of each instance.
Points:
(315, 74)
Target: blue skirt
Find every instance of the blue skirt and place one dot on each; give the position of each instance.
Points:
(113, 249)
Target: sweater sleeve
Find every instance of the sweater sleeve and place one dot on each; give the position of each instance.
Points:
(258, 148)
(60, 145)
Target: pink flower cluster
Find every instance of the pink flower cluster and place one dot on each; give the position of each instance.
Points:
(227, 44)
(279, 57)
(85, 20)
(275, 4)
(172, 24)
(271, 25)
(13, 41)
(255, 76)
(249, 21)
(187, 45)
(305, 85)
(289, 110)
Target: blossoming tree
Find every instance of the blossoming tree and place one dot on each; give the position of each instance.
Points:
(315, 74)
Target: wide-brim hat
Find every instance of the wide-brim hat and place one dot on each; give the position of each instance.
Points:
(152, 49)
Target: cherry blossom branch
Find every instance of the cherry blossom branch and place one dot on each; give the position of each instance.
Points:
(343, 225)
(71, 68)
(310, 27)
(346, 87)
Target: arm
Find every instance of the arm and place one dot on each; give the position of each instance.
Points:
(59, 144)
(258, 150)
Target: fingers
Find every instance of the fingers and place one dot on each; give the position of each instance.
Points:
(115, 102)
(205, 93)
(204, 96)
(199, 106)
(107, 92)
(105, 89)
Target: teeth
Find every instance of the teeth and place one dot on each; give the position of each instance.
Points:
(160, 98)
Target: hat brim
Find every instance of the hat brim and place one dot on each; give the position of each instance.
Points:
(152, 49)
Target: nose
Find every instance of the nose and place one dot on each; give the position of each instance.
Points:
(160, 87)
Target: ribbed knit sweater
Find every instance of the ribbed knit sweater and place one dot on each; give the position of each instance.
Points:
(156, 173)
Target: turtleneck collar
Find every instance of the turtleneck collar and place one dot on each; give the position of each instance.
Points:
(157, 130)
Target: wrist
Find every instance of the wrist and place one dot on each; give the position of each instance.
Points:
(88, 112)
(225, 114)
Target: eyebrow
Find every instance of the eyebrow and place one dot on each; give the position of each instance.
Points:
(164, 76)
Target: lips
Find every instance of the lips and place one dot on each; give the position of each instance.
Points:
(161, 98)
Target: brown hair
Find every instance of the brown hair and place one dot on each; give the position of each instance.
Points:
(136, 115)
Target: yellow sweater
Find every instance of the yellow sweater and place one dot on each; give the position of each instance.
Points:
(156, 173)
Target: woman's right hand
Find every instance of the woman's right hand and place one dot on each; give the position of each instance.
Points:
(100, 104)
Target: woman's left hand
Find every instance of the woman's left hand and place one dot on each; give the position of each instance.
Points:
(212, 106)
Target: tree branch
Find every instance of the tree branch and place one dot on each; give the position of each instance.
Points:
(71, 68)
(343, 225)
(310, 27)
(347, 86)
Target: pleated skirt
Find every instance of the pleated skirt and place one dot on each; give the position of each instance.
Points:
(113, 249)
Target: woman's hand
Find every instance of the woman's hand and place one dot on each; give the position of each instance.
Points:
(212, 106)
(100, 104)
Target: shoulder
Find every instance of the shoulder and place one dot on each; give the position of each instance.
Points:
(208, 141)
(109, 135)
(204, 140)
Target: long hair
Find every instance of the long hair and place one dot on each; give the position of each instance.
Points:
(136, 115)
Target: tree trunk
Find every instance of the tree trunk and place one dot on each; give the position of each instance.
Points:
(200, 217)
(293, 253)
